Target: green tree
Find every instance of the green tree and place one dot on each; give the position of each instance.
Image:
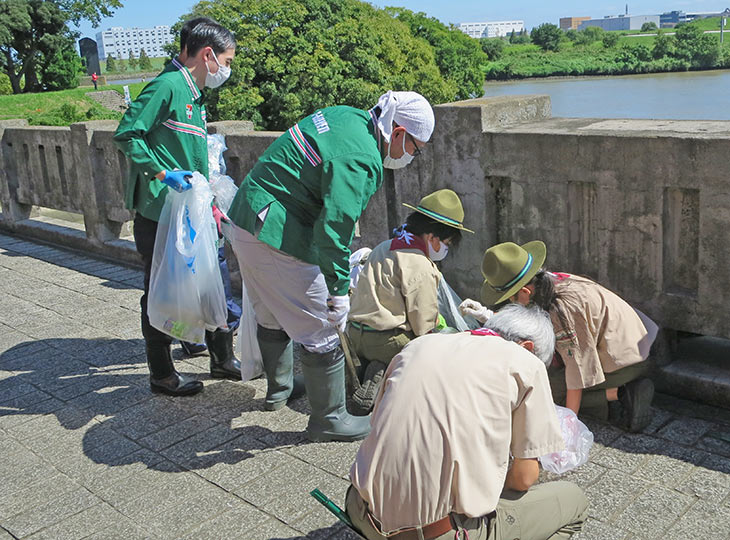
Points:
(32, 32)
(571, 34)
(493, 47)
(458, 57)
(522, 38)
(589, 35)
(121, 65)
(512, 37)
(547, 36)
(305, 54)
(132, 62)
(663, 46)
(694, 46)
(144, 61)
(61, 70)
(610, 39)
(649, 27)
(111, 64)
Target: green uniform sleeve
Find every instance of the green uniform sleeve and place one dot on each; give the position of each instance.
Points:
(146, 113)
(346, 185)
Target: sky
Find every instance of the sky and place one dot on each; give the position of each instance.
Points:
(146, 13)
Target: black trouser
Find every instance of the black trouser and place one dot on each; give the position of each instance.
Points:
(145, 231)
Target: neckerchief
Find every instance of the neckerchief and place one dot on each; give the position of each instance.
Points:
(483, 332)
(406, 240)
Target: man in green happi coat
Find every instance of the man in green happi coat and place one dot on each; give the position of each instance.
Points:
(294, 218)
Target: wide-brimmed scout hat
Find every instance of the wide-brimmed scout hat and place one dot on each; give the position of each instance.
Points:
(443, 206)
(508, 267)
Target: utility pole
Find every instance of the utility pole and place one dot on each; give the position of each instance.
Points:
(723, 18)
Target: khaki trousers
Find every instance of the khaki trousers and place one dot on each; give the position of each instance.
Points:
(552, 511)
(593, 402)
(381, 346)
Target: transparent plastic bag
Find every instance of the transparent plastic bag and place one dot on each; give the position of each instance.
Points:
(578, 441)
(216, 147)
(357, 261)
(186, 295)
(448, 302)
(252, 363)
(224, 190)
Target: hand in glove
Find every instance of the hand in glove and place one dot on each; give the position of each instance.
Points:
(338, 308)
(474, 309)
(177, 180)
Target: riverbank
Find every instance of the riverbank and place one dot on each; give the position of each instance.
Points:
(61, 108)
(595, 52)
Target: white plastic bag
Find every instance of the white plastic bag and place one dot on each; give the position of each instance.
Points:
(186, 295)
(578, 441)
(224, 190)
(357, 261)
(252, 363)
(448, 302)
(216, 147)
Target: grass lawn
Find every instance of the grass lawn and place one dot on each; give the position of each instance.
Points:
(157, 65)
(60, 108)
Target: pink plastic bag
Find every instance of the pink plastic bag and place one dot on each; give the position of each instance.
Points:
(578, 441)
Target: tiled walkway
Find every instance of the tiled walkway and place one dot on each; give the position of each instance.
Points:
(88, 452)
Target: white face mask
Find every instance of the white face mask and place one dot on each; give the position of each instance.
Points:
(214, 80)
(393, 163)
(439, 255)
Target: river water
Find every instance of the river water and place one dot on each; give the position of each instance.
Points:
(699, 95)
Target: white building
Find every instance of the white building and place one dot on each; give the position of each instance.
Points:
(622, 22)
(491, 29)
(118, 41)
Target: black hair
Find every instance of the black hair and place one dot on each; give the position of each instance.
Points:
(418, 224)
(188, 26)
(212, 35)
(544, 294)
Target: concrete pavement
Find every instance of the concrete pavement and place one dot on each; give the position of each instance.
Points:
(88, 452)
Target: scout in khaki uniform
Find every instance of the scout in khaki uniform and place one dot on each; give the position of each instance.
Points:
(164, 136)
(452, 409)
(602, 341)
(395, 299)
(294, 218)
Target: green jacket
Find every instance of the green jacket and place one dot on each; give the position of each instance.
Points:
(164, 129)
(310, 187)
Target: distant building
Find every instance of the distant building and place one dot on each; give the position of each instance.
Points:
(118, 41)
(671, 19)
(491, 29)
(622, 22)
(572, 23)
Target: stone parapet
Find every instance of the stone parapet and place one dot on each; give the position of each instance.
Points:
(640, 205)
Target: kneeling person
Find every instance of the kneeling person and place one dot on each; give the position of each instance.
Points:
(395, 300)
(452, 409)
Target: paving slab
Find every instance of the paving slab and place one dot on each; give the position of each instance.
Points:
(89, 452)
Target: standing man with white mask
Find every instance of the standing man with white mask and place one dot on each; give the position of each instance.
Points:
(164, 136)
(294, 217)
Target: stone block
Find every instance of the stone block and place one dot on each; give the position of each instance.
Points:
(652, 512)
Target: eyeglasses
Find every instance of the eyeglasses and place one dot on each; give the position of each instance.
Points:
(417, 151)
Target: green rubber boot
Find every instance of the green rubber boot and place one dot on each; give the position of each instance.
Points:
(324, 377)
(278, 358)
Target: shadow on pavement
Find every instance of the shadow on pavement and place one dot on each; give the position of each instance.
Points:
(101, 386)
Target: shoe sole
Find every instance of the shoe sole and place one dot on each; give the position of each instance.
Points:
(336, 438)
(160, 390)
(642, 409)
(224, 375)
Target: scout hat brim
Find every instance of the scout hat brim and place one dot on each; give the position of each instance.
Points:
(538, 252)
(438, 217)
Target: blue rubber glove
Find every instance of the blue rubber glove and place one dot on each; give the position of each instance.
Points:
(177, 180)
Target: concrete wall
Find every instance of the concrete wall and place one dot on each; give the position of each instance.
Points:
(640, 205)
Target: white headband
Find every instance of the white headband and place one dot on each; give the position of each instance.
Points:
(407, 109)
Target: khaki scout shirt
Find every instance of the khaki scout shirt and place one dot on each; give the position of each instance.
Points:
(596, 332)
(397, 289)
(451, 409)
(164, 129)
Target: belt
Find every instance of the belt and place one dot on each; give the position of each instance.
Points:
(432, 530)
(363, 327)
